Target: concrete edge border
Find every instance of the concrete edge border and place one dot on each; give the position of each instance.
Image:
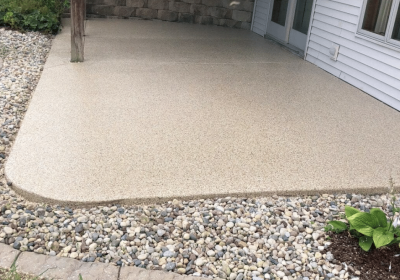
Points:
(54, 267)
(33, 197)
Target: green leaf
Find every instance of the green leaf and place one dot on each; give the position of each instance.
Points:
(380, 215)
(382, 237)
(338, 226)
(395, 241)
(364, 223)
(350, 211)
(365, 242)
(328, 228)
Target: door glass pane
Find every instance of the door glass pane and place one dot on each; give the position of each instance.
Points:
(302, 16)
(279, 11)
(396, 29)
(376, 16)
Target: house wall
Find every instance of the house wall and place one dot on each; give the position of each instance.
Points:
(261, 12)
(231, 13)
(367, 65)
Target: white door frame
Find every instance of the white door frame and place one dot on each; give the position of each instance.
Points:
(290, 20)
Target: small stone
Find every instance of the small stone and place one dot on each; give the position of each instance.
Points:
(17, 245)
(226, 269)
(95, 236)
(49, 220)
(192, 237)
(240, 276)
(115, 243)
(168, 254)
(211, 253)
(67, 249)
(280, 274)
(213, 269)
(73, 255)
(82, 219)
(8, 230)
(233, 276)
(271, 242)
(55, 246)
(222, 275)
(144, 219)
(170, 266)
(79, 228)
(199, 262)
(181, 270)
(142, 257)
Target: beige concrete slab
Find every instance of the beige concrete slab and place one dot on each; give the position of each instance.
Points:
(167, 110)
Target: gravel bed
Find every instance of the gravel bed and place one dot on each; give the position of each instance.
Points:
(230, 238)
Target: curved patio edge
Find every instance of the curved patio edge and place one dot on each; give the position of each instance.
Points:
(54, 267)
(37, 198)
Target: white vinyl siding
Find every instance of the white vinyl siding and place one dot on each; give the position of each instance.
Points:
(372, 67)
(260, 16)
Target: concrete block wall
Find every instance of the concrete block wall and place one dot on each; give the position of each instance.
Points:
(231, 13)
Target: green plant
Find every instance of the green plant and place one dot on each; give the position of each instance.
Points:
(370, 228)
(35, 15)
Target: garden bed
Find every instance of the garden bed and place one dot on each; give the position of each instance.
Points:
(373, 264)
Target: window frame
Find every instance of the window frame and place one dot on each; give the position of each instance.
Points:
(392, 20)
(387, 38)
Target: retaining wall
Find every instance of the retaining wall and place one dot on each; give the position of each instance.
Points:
(231, 13)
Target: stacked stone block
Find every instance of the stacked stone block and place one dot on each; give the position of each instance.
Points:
(232, 13)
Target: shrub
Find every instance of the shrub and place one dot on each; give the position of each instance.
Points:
(32, 15)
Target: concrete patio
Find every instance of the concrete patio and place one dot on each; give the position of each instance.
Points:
(170, 110)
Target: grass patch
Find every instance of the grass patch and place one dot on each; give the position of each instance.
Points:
(12, 274)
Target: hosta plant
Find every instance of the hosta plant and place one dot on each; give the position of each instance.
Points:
(370, 228)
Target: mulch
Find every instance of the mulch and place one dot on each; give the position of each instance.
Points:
(373, 264)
